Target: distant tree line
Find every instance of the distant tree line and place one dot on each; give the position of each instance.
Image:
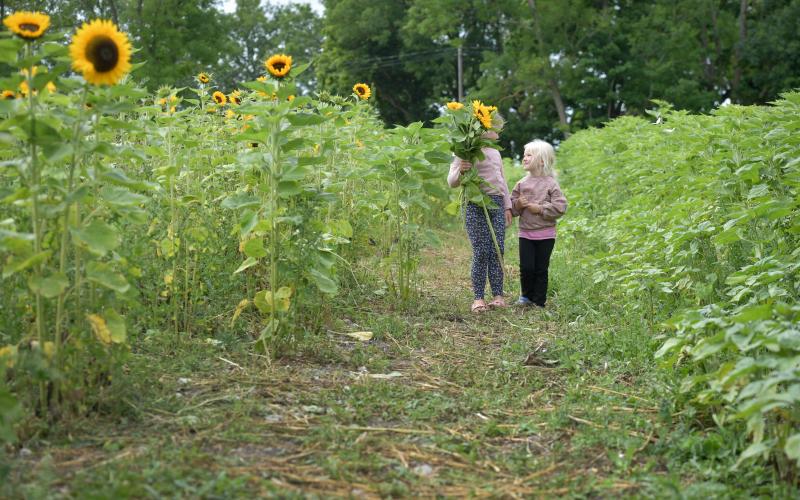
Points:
(551, 66)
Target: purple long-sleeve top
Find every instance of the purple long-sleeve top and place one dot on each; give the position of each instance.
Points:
(490, 169)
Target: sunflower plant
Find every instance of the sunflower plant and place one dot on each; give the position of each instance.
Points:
(63, 203)
(280, 242)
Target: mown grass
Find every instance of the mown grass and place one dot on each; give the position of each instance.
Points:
(461, 413)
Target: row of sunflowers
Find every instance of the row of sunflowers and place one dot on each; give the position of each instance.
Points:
(127, 217)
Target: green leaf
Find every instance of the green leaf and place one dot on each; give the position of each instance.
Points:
(303, 119)
(255, 248)
(10, 410)
(49, 287)
(240, 200)
(116, 325)
(294, 172)
(792, 447)
(669, 345)
(294, 144)
(118, 177)
(438, 157)
(105, 275)
(287, 189)
(323, 281)
(754, 450)
(341, 228)
(754, 313)
(263, 300)
(15, 265)
(311, 160)
(121, 197)
(57, 152)
(12, 241)
(9, 48)
(99, 237)
(248, 263)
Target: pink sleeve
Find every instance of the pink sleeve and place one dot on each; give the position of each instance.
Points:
(557, 205)
(504, 187)
(454, 177)
(516, 209)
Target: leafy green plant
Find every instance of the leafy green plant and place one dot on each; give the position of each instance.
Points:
(694, 221)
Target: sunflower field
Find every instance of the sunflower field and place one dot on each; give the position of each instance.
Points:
(187, 210)
(262, 289)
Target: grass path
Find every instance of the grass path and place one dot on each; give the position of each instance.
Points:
(513, 403)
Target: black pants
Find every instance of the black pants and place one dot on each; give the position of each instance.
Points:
(534, 261)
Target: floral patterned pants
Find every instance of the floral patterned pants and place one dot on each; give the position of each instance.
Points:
(484, 256)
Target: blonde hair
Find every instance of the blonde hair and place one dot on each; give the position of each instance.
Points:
(542, 150)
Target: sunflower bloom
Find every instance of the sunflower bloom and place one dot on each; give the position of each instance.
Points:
(279, 65)
(51, 87)
(230, 114)
(28, 25)
(203, 78)
(100, 328)
(101, 52)
(8, 94)
(482, 113)
(453, 106)
(219, 98)
(9, 354)
(235, 97)
(362, 90)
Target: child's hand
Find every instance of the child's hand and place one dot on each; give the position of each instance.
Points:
(465, 165)
(523, 201)
(534, 207)
(508, 217)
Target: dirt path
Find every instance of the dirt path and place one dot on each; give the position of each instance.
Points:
(513, 403)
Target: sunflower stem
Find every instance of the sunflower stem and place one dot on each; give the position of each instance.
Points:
(494, 236)
(37, 229)
(62, 260)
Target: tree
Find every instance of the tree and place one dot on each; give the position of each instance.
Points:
(259, 32)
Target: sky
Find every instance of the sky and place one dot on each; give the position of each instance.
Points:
(230, 5)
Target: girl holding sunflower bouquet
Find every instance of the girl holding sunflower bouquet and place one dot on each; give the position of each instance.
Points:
(478, 169)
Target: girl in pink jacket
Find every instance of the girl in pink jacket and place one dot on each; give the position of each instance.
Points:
(538, 201)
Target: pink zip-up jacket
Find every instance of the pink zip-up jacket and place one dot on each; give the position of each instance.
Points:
(543, 191)
(490, 169)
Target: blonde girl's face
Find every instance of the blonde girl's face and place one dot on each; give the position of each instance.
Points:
(530, 162)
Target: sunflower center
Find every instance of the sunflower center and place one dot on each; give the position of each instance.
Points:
(32, 27)
(279, 65)
(103, 53)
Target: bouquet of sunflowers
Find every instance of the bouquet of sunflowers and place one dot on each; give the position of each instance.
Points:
(468, 127)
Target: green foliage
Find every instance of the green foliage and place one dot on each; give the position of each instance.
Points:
(694, 221)
(121, 210)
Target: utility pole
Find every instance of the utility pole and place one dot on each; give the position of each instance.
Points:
(460, 76)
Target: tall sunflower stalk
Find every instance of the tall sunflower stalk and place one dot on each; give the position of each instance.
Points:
(35, 181)
(468, 126)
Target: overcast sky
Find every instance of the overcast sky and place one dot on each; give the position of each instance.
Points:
(230, 5)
